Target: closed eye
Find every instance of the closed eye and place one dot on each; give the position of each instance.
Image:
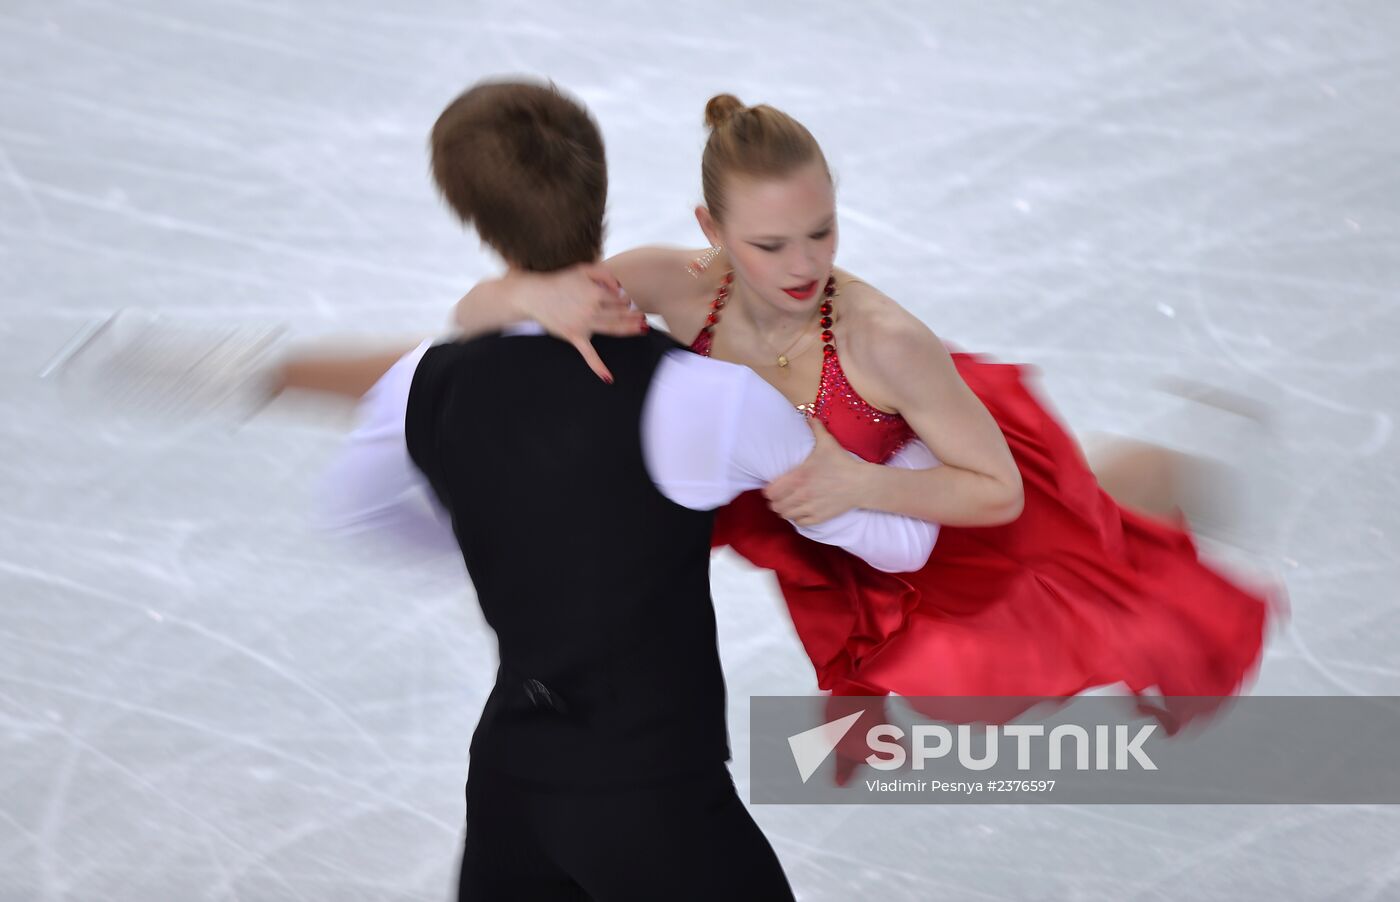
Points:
(818, 236)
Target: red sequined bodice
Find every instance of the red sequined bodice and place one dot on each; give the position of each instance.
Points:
(860, 427)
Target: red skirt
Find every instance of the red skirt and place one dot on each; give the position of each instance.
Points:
(1077, 593)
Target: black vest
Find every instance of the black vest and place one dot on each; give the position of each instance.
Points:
(596, 584)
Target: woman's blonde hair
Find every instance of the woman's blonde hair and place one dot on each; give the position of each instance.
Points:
(758, 141)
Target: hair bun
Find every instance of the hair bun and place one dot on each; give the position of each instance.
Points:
(722, 108)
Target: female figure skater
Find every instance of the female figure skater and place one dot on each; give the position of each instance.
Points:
(1041, 584)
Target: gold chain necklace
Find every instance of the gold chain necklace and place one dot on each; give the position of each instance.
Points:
(824, 313)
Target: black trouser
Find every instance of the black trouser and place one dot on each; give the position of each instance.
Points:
(687, 838)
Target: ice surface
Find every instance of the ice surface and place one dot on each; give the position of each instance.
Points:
(202, 699)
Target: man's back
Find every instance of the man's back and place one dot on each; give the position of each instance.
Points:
(596, 584)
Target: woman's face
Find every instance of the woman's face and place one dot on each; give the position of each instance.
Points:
(781, 235)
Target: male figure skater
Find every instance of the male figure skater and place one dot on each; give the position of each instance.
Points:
(583, 511)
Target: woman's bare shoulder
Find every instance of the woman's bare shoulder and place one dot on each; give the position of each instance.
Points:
(649, 257)
(657, 280)
(883, 346)
(874, 318)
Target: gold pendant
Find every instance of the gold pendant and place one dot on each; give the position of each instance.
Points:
(782, 360)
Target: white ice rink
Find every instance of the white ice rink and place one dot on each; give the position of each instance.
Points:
(203, 699)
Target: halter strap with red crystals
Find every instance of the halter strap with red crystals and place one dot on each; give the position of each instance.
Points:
(829, 292)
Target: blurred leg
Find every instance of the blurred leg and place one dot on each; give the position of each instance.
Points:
(1140, 476)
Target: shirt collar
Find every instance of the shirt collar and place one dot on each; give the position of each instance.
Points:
(523, 327)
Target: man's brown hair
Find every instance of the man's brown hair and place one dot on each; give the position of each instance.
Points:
(523, 164)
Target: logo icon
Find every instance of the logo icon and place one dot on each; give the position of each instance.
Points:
(811, 747)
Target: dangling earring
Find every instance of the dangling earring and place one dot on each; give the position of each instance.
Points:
(701, 263)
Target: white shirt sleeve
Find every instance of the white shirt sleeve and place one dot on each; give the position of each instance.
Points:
(712, 430)
(372, 485)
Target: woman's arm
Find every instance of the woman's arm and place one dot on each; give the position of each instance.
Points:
(657, 281)
(977, 483)
(335, 372)
(581, 301)
(574, 293)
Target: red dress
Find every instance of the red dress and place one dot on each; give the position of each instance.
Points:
(1076, 593)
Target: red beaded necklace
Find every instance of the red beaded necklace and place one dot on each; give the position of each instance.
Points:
(828, 293)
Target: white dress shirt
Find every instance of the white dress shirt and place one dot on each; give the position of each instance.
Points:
(710, 431)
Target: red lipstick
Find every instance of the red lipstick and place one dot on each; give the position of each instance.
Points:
(802, 292)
